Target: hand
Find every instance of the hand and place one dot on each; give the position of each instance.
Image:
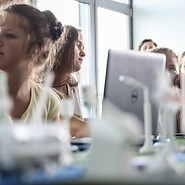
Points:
(79, 128)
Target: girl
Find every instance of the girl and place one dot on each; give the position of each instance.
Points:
(68, 53)
(180, 59)
(147, 45)
(24, 34)
(78, 127)
(172, 68)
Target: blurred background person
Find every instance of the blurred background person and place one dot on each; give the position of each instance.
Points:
(147, 45)
(68, 54)
(172, 69)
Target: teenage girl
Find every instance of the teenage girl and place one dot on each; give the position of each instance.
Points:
(24, 34)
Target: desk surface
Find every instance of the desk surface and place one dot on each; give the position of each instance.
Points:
(77, 173)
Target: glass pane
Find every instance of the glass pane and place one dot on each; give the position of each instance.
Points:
(59, 9)
(113, 33)
(86, 74)
(122, 1)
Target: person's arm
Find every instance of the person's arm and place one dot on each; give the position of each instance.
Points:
(79, 128)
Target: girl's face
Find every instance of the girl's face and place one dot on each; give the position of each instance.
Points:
(172, 65)
(13, 42)
(147, 46)
(182, 64)
(79, 52)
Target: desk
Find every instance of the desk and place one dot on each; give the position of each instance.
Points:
(77, 175)
(152, 174)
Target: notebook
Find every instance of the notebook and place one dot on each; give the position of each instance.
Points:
(144, 67)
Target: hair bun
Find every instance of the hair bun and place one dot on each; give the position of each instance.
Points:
(56, 31)
(55, 27)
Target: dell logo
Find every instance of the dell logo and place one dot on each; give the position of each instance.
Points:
(134, 96)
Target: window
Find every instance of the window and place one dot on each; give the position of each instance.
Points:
(59, 7)
(122, 1)
(112, 33)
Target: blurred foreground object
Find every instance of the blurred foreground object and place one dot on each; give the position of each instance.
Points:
(113, 136)
(27, 146)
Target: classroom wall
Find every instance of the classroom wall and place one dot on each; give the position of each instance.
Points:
(161, 20)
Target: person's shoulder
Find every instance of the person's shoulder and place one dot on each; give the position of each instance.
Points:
(39, 88)
(60, 94)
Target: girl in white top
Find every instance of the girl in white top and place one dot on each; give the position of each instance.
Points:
(52, 56)
(68, 53)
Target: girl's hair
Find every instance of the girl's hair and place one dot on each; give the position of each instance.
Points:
(180, 60)
(146, 40)
(183, 54)
(55, 26)
(63, 50)
(55, 31)
(164, 51)
(35, 24)
(63, 53)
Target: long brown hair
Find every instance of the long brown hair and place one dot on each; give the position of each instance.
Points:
(63, 50)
